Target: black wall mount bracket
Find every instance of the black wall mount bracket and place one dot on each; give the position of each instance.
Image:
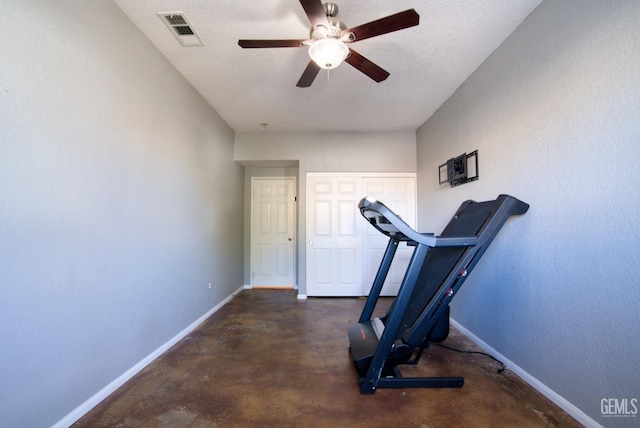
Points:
(459, 170)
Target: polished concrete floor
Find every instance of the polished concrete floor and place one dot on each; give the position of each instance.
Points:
(267, 359)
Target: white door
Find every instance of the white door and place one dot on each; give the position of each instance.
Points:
(334, 236)
(399, 194)
(343, 250)
(273, 232)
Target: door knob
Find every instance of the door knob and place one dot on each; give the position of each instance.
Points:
(289, 239)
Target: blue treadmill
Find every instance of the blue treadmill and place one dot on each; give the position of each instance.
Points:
(419, 314)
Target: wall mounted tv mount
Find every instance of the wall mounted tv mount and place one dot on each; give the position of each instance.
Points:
(459, 170)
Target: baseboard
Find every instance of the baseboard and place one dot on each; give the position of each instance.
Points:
(247, 287)
(557, 399)
(302, 297)
(85, 407)
(273, 287)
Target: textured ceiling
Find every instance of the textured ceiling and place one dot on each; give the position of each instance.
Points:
(248, 87)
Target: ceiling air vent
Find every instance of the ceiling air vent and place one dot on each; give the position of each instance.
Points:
(180, 27)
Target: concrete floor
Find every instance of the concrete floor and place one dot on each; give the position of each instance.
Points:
(267, 359)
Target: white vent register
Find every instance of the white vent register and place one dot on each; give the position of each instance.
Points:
(180, 27)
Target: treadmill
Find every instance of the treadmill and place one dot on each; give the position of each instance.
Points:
(419, 314)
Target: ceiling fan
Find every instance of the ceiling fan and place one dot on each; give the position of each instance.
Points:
(329, 37)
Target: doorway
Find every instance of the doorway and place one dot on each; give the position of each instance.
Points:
(273, 232)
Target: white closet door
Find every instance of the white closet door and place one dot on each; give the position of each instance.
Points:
(343, 250)
(334, 236)
(399, 194)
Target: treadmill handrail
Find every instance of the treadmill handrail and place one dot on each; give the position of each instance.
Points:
(390, 224)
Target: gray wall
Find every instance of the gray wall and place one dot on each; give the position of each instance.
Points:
(326, 152)
(120, 202)
(555, 115)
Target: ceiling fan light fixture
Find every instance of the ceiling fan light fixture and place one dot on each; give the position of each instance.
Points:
(328, 53)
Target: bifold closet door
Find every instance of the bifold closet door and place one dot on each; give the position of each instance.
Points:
(334, 236)
(399, 194)
(342, 251)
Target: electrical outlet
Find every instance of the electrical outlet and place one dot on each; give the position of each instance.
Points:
(209, 285)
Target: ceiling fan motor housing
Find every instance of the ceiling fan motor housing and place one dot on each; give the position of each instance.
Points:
(335, 28)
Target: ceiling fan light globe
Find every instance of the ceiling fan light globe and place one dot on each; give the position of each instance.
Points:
(328, 53)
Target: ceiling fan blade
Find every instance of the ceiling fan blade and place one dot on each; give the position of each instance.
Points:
(308, 75)
(367, 67)
(315, 12)
(391, 23)
(271, 43)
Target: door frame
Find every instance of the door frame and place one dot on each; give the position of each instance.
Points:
(294, 229)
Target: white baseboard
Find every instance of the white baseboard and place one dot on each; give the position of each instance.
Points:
(85, 407)
(248, 287)
(557, 399)
(302, 297)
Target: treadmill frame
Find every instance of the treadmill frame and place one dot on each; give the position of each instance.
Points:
(382, 218)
